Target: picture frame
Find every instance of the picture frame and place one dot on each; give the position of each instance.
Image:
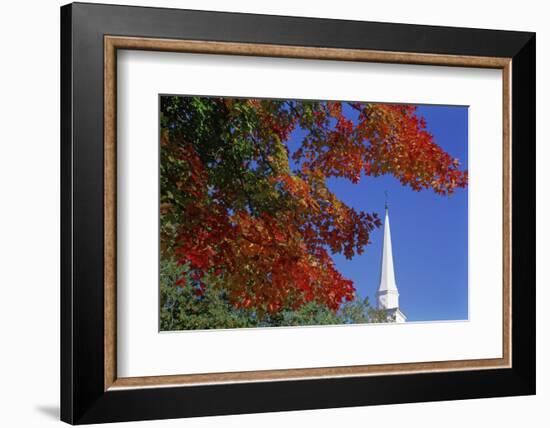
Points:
(91, 390)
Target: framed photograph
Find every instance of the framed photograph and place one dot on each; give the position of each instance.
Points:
(228, 185)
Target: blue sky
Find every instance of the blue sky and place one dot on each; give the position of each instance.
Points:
(429, 231)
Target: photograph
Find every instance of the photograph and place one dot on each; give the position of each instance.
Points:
(277, 212)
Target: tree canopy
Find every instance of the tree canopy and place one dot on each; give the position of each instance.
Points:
(245, 213)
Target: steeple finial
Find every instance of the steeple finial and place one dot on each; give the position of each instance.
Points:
(386, 206)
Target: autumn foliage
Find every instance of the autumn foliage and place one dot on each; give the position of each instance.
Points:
(242, 209)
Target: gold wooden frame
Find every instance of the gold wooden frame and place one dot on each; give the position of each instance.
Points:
(113, 43)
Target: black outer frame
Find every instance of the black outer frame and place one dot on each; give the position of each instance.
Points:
(83, 399)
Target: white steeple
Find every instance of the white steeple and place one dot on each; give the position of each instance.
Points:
(387, 294)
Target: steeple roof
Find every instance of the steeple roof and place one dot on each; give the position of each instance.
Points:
(387, 275)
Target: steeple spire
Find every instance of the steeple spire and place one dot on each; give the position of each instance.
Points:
(387, 274)
(387, 294)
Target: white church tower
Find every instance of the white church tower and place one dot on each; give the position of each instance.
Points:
(387, 294)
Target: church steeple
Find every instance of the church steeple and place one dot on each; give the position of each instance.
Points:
(387, 294)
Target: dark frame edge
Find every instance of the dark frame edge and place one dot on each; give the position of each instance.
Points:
(66, 130)
(524, 217)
